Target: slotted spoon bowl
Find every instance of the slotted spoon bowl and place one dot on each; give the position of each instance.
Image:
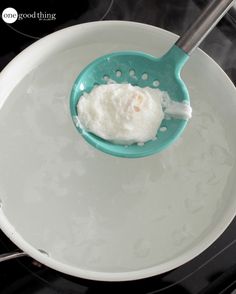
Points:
(143, 70)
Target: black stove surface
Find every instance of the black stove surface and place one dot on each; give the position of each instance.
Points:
(214, 271)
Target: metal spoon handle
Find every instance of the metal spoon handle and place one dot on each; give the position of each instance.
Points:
(210, 16)
(11, 255)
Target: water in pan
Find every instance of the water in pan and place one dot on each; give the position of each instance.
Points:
(109, 214)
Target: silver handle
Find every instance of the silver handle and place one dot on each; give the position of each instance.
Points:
(12, 255)
(208, 19)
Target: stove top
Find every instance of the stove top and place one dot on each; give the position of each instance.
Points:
(214, 271)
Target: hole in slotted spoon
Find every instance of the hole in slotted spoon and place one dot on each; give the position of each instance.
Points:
(106, 78)
(156, 83)
(132, 72)
(118, 73)
(144, 76)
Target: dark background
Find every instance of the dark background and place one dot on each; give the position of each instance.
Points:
(172, 15)
(213, 271)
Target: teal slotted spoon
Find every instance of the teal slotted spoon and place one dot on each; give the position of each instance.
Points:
(143, 70)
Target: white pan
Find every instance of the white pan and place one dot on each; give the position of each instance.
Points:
(94, 216)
